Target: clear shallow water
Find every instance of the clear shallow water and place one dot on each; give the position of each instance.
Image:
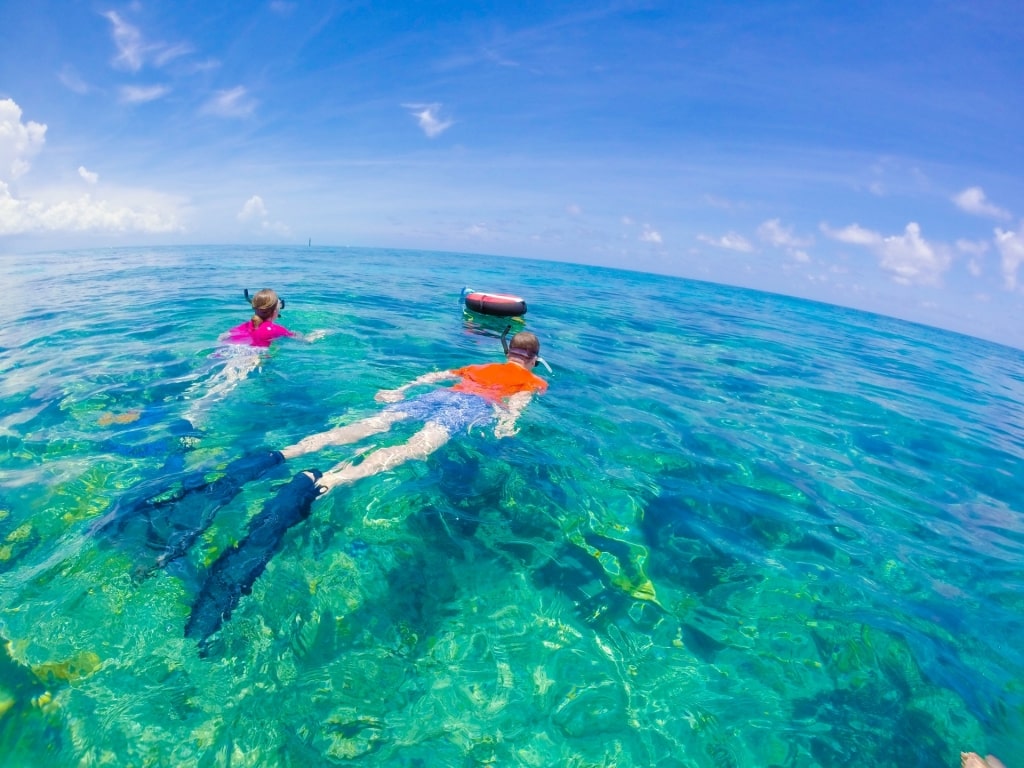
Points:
(738, 530)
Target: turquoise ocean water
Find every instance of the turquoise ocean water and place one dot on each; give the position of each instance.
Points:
(739, 529)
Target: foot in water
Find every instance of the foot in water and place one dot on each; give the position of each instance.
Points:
(235, 571)
(974, 760)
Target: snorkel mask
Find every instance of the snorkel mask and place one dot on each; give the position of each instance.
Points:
(518, 353)
(248, 298)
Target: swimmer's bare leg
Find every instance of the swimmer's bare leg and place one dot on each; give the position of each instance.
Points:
(349, 433)
(419, 446)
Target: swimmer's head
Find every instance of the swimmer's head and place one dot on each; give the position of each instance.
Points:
(525, 347)
(265, 303)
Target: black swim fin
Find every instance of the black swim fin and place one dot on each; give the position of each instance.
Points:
(235, 571)
(174, 517)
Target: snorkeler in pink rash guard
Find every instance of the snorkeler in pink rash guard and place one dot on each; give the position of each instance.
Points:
(261, 329)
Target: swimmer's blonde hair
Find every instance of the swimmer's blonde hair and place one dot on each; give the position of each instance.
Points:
(263, 304)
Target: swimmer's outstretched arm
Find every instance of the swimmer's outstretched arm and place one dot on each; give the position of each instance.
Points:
(509, 414)
(394, 395)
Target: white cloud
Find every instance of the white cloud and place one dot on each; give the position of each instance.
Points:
(19, 142)
(773, 233)
(649, 235)
(428, 116)
(81, 215)
(230, 103)
(1011, 248)
(912, 259)
(854, 234)
(908, 257)
(253, 209)
(140, 94)
(972, 200)
(573, 210)
(730, 241)
(627, 221)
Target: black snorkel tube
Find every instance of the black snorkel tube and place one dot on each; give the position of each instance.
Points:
(504, 340)
(248, 298)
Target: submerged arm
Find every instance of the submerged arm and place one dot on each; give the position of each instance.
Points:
(507, 415)
(312, 336)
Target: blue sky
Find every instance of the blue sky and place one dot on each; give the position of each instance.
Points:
(868, 154)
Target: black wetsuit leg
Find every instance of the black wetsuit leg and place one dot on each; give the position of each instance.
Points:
(235, 571)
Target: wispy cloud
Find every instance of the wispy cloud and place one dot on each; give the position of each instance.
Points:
(140, 94)
(87, 175)
(165, 54)
(429, 118)
(134, 51)
(723, 203)
(731, 241)
(974, 249)
(775, 234)
(128, 40)
(972, 200)
(1011, 249)
(71, 80)
(234, 102)
(19, 142)
(909, 258)
(282, 8)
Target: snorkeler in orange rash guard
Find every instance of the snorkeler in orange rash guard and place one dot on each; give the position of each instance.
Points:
(493, 391)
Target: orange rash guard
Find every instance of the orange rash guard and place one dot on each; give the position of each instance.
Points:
(497, 381)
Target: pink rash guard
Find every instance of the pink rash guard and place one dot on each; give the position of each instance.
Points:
(257, 337)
